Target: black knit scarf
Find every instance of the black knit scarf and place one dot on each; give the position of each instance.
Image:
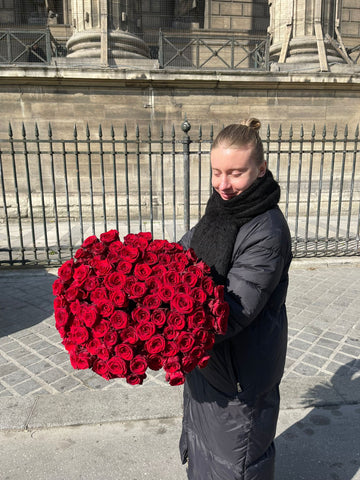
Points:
(215, 234)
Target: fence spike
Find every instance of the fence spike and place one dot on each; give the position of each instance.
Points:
(149, 132)
(291, 132)
(313, 131)
(10, 130)
(125, 131)
(346, 131)
(211, 132)
(280, 131)
(268, 131)
(112, 132)
(36, 130)
(23, 130)
(173, 131)
(335, 131)
(100, 131)
(324, 131)
(49, 130)
(200, 132)
(161, 132)
(75, 131)
(357, 131)
(301, 131)
(87, 131)
(137, 132)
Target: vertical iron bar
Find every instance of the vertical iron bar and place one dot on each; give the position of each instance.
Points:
(278, 156)
(185, 126)
(13, 156)
(199, 172)
(312, 142)
(138, 174)
(161, 50)
(301, 147)
(5, 211)
(38, 152)
(337, 236)
(330, 188)
(51, 150)
(210, 171)
(352, 187)
(67, 197)
(78, 183)
(102, 177)
(321, 173)
(288, 174)
(173, 144)
(28, 180)
(150, 183)
(267, 150)
(115, 178)
(162, 180)
(88, 142)
(127, 195)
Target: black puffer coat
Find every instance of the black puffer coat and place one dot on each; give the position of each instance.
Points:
(231, 406)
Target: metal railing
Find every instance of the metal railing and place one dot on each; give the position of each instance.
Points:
(56, 192)
(213, 51)
(29, 46)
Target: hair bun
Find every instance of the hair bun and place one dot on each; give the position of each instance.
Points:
(253, 123)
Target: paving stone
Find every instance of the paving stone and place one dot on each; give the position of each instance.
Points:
(350, 350)
(39, 367)
(66, 384)
(27, 387)
(52, 375)
(300, 344)
(28, 359)
(294, 353)
(305, 369)
(314, 360)
(307, 337)
(333, 336)
(7, 369)
(16, 377)
(324, 342)
(8, 347)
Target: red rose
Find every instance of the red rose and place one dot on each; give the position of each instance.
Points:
(154, 284)
(185, 341)
(182, 303)
(172, 364)
(137, 290)
(114, 280)
(119, 319)
(204, 361)
(191, 255)
(142, 271)
(177, 266)
(197, 319)
(188, 363)
(219, 292)
(129, 335)
(110, 236)
(72, 293)
(150, 258)
(155, 344)
(158, 317)
(88, 314)
(152, 301)
(81, 254)
(171, 278)
(183, 288)
(145, 330)
(157, 245)
(81, 273)
(208, 285)
(117, 366)
(171, 349)
(100, 367)
(181, 258)
(116, 246)
(138, 365)
(91, 283)
(146, 235)
(124, 267)
(106, 307)
(176, 320)
(199, 295)
(61, 317)
(130, 254)
(190, 279)
(140, 314)
(110, 338)
(97, 249)
(133, 379)
(166, 293)
(75, 307)
(69, 345)
(124, 351)
(58, 287)
(59, 302)
(103, 353)
(65, 272)
(78, 335)
(170, 332)
(98, 294)
(155, 362)
(102, 267)
(93, 346)
(221, 323)
(176, 378)
(100, 328)
(80, 361)
(119, 298)
(164, 259)
(205, 338)
(88, 242)
(196, 270)
(158, 270)
(197, 352)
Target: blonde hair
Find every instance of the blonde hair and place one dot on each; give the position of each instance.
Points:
(241, 134)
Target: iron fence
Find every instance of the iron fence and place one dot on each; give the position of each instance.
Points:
(55, 192)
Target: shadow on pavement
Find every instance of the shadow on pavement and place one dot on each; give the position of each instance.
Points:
(26, 299)
(323, 441)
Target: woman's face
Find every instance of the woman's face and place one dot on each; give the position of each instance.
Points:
(233, 170)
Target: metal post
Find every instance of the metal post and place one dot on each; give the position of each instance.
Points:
(185, 126)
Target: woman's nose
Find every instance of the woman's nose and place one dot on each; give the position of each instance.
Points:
(224, 183)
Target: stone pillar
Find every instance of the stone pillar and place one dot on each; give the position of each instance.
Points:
(303, 35)
(106, 32)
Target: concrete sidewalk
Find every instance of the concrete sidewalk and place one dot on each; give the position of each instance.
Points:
(59, 423)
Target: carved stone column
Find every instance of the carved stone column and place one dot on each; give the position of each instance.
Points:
(303, 35)
(106, 32)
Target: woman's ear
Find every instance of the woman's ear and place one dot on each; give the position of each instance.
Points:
(262, 169)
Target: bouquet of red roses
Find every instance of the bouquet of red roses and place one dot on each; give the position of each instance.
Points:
(123, 307)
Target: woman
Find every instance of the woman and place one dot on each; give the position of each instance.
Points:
(231, 406)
